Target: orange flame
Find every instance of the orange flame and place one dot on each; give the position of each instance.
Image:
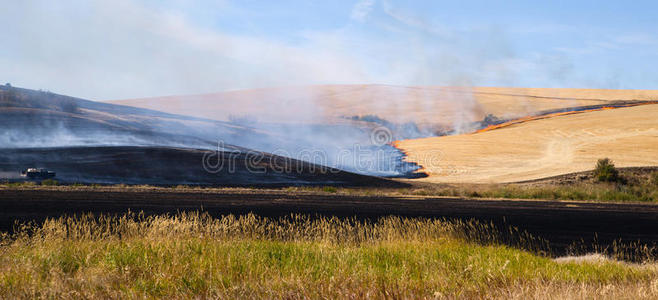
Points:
(405, 155)
(532, 118)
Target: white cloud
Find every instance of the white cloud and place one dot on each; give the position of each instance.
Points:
(121, 49)
(361, 9)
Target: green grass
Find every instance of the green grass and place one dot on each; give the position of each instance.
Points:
(49, 182)
(654, 179)
(628, 188)
(19, 184)
(599, 192)
(631, 187)
(194, 255)
(329, 189)
(602, 192)
(593, 192)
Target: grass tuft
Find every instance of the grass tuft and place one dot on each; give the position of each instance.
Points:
(329, 189)
(49, 182)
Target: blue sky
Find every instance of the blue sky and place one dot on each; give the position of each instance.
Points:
(128, 48)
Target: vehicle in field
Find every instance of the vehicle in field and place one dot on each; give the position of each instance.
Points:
(37, 173)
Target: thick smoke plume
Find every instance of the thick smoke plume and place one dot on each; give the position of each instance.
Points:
(128, 49)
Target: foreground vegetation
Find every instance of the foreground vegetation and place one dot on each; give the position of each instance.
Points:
(195, 255)
(597, 192)
(603, 192)
(605, 184)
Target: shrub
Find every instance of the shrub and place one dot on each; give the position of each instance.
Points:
(605, 171)
(329, 189)
(654, 178)
(49, 182)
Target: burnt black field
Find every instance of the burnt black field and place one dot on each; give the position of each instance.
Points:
(173, 166)
(64, 129)
(561, 224)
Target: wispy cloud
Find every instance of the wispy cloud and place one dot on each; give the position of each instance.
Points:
(641, 39)
(109, 49)
(414, 21)
(617, 42)
(118, 49)
(361, 9)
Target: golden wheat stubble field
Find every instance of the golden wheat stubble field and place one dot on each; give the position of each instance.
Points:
(422, 105)
(541, 148)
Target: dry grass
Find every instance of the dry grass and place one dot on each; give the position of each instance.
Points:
(603, 192)
(194, 255)
(637, 189)
(634, 186)
(598, 192)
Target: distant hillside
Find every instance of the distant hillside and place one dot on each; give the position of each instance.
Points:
(172, 166)
(30, 118)
(541, 148)
(436, 107)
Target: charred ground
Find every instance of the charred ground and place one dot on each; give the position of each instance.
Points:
(41, 119)
(173, 166)
(558, 226)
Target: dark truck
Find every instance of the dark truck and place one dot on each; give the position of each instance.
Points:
(34, 173)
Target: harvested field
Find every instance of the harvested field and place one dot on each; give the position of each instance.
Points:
(422, 105)
(541, 148)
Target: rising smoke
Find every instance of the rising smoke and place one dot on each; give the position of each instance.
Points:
(133, 50)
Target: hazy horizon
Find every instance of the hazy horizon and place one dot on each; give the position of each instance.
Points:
(104, 50)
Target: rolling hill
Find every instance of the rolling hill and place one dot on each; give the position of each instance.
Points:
(330, 119)
(529, 150)
(30, 118)
(541, 148)
(425, 106)
(92, 142)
